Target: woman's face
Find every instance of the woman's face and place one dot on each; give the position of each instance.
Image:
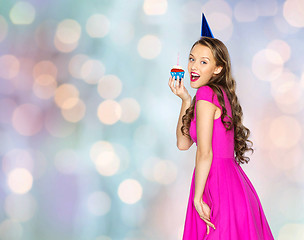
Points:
(201, 66)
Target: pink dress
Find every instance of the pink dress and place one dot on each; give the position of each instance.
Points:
(236, 210)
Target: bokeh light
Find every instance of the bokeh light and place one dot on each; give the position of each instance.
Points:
(68, 31)
(44, 86)
(20, 180)
(22, 13)
(109, 87)
(10, 66)
(65, 47)
(130, 191)
(92, 70)
(281, 47)
(267, 64)
(155, 7)
(27, 119)
(149, 47)
(130, 110)
(98, 148)
(98, 26)
(45, 68)
(73, 110)
(287, 92)
(107, 163)
(109, 112)
(293, 11)
(76, 63)
(65, 92)
(67, 35)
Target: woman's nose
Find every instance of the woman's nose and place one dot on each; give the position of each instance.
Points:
(194, 66)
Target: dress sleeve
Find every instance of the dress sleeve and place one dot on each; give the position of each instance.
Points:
(206, 93)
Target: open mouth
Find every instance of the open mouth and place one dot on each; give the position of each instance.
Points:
(194, 76)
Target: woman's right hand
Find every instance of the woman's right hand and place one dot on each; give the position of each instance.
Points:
(179, 88)
(204, 211)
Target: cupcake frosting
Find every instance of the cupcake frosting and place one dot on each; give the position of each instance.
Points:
(177, 67)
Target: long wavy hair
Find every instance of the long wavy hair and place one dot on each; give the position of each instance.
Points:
(225, 81)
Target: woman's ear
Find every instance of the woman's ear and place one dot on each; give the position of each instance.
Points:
(218, 69)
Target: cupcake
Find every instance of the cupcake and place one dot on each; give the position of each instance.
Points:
(177, 71)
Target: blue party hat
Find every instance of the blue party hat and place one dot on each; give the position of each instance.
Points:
(206, 31)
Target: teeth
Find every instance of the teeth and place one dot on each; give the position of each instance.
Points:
(194, 74)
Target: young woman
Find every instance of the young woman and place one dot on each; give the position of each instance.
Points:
(223, 204)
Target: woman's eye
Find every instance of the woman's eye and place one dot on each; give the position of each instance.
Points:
(203, 62)
(190, 59)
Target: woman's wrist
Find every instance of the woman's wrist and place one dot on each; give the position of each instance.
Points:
(196, 200)
(187, 99)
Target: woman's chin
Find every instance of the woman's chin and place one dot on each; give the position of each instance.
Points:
(194, 84)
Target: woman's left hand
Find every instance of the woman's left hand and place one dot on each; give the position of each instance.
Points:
(204, 212)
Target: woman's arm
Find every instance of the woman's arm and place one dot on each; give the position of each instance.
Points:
(204, 127)
(183, 142)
